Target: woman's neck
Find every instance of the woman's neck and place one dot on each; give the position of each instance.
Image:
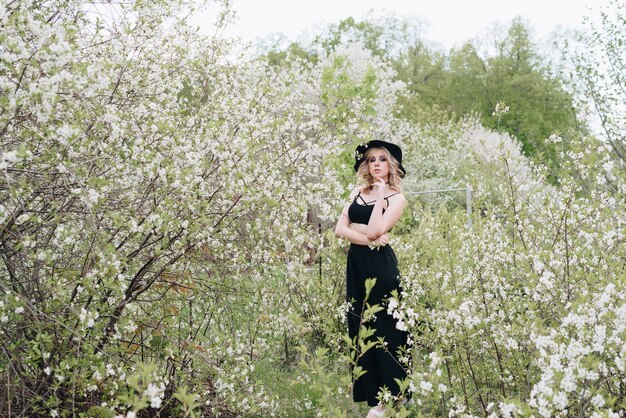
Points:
(370, 187)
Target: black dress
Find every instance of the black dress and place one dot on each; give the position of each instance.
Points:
(382, 366)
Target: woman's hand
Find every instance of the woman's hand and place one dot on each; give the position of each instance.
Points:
(380, 191)
(382, 240)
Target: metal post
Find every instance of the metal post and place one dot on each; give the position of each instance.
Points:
(468, 205)
(319, 229)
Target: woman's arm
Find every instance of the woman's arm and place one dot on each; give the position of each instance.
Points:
(343, 230)
(381, 223)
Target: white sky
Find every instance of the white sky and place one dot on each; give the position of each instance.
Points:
(450, 22)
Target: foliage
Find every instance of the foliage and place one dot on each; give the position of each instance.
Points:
(534, 263)
(166, 209)
(149, 185)
(599, 60)
(468, 81)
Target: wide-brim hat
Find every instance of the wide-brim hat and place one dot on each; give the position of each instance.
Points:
(394, 150)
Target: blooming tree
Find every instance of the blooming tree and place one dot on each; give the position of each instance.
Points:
(144, 179)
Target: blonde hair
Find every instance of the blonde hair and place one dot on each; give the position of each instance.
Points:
(395, 179)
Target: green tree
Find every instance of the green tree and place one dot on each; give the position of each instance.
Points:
(540, 103)
(465, 82)
(424, 72)
(278, 57)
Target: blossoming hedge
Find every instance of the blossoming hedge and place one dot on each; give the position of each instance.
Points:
(165, 207)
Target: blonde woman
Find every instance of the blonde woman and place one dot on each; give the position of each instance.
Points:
(375, 208)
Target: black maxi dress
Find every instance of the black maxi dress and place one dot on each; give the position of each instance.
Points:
(381, 365)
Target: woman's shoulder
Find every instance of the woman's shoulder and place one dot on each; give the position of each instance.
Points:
(393, 193)
(396, 197)
(355, 192)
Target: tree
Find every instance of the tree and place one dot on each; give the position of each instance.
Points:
(600, 66)
(148, 187)
(540, 103)
(466, 83)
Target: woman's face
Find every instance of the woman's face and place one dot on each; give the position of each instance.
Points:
(378, 164)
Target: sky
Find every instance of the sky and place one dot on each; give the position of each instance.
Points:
(448, 22)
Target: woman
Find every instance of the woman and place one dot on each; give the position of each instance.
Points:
(376, 207)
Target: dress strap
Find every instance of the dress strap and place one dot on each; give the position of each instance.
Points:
(363, 200)
(387, 198)
(367, 203)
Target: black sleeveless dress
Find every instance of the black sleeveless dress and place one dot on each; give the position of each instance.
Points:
(382, 366)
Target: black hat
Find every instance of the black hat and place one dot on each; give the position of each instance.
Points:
(394, 150)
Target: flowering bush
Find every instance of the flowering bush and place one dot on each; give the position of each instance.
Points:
(144, 179)
(163, 214)
(490, 308)
(582, 361)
